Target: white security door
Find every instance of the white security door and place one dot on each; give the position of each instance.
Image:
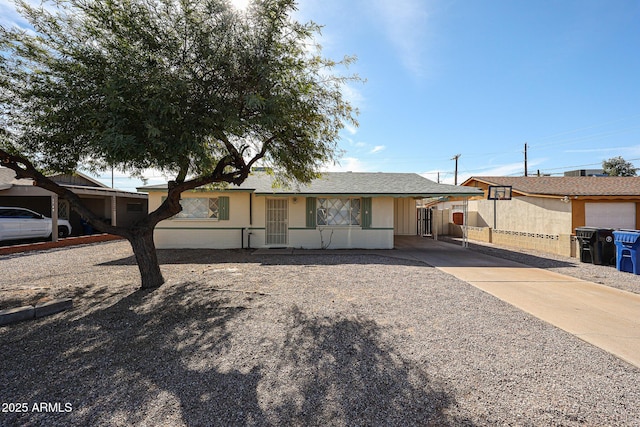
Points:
(277, 227)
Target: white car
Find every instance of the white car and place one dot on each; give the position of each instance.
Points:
(20, 223)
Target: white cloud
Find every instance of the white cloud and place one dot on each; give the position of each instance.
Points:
(9, 16)
(347, 164)
(405, 25)
(350, 128)
(377, 149)
(353, 95)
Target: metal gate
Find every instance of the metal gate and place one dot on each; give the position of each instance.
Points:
(277, 227)
(425, 219)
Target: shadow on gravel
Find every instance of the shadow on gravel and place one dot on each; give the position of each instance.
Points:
(127, 364)
(224, 256)
(27, 297)
(338, 372)
(192, 356)
(521, 257)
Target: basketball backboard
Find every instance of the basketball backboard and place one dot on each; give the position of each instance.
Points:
(499, 192)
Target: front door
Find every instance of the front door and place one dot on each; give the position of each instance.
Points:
(277, 227)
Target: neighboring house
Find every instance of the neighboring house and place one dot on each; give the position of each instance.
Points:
(117, 206)
(337, 210)
(545, 211)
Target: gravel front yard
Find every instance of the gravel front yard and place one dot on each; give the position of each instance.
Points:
(239, 339)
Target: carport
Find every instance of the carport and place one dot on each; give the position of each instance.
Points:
(119, 207)
(406, 210)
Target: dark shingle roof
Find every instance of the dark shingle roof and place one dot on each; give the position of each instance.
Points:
(566, 185)
(351, 183)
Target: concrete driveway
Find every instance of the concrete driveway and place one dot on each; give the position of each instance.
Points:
(603, 316)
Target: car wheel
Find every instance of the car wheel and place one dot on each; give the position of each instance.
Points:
(62, 232)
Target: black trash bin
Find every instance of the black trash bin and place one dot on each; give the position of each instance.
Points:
(605, 248)
(597, 245)
(586, 237)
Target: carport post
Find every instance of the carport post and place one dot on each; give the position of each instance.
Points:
(113, 210)
(465, 212)
(54, 217)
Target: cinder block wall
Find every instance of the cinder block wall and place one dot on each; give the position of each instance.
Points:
(559, 244)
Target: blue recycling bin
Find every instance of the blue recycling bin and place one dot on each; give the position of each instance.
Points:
(87, 229)
(627, 250)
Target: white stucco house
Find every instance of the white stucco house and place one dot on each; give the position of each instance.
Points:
(339, 210)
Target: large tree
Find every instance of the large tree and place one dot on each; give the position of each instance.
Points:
(195, 88)
(617, 166)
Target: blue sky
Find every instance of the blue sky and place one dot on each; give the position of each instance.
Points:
(481, 79)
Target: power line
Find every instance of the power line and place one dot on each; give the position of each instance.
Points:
(633, 116)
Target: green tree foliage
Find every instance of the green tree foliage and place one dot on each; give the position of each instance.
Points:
(617, 166)
(194, 88)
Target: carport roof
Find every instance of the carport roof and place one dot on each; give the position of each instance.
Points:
(349, 183)
(8, 181)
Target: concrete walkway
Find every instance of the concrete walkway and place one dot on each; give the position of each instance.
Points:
(605, 317)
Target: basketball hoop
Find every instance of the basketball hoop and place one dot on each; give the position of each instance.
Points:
(499, 192)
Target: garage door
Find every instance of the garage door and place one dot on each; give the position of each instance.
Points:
(611, 215)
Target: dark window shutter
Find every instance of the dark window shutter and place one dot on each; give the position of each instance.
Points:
(223, 208)
(311, 212)
(366, 212)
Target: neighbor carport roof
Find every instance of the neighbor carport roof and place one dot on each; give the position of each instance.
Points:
(349, 183)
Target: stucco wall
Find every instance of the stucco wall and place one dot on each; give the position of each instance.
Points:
(440, 222)
(404, 214)
(234, 233)
(203, 233)
(379, 236)
(523, 214)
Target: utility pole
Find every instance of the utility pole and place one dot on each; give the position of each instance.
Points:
(526, 172)
(456, 157)
(438, 177)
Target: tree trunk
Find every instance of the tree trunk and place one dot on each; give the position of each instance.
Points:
(145, 251)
